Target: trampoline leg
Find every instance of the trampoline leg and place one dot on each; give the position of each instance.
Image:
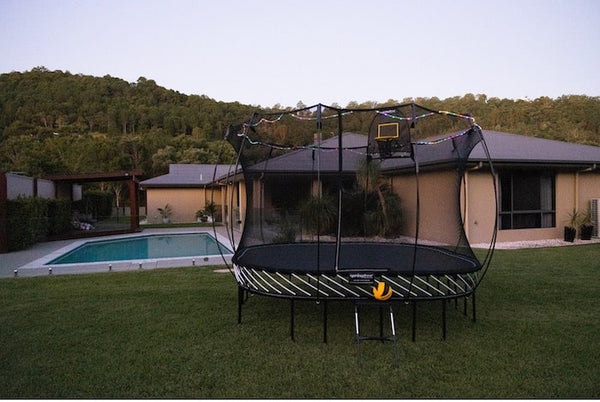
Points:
(444, 320)
(292, 320)
(357, 334)
(381, 323)
(324, 321)
(465, 305)
(474, 312)
(394, 339)
(414, 321)
(240, 302)
(381, 337)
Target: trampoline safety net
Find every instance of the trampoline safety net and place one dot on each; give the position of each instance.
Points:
(345, 196)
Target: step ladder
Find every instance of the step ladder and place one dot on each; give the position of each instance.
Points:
(383, 338)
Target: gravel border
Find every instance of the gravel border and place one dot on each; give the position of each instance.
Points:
(513, 245)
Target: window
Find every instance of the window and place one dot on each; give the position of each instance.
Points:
(527, 199)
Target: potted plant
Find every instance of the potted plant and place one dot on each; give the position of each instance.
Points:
(165, 213)
(210, 209)
(586, 226)
(571, 228)
(201, 216)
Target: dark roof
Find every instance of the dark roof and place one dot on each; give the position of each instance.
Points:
(504, 148)
(304, 160)
(187, 175)
(518, 149)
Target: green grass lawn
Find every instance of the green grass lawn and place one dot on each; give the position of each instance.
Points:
(173, 333)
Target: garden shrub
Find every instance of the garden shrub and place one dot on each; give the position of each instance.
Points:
(27, 220)
(33, 219)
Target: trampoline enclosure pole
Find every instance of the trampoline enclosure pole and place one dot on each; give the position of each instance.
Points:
(340, 168)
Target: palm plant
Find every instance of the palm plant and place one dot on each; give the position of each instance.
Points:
(369, 178)
(586, 225)
(318, 214)
(570, 230)
(165, 212)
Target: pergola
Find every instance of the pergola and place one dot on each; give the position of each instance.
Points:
(131, 176)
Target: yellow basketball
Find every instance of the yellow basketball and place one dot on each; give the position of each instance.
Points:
(382, 292)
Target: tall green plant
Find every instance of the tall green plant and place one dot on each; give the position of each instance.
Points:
(318, 214)
(387, 218)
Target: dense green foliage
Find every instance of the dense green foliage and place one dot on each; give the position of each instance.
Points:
(173, 333)
(32, 219)
(58, 122)
(25, 217)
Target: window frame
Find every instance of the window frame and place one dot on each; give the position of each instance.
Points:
(543, 217)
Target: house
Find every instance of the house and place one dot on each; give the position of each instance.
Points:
(539, 183)
(187, 188)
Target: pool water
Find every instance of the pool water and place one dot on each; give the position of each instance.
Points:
(144, 247)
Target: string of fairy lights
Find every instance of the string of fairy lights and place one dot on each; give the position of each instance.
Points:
(296, 115)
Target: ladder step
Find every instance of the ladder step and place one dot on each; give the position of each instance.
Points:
(390, 338)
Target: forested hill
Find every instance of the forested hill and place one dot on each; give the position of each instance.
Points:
(58, 122)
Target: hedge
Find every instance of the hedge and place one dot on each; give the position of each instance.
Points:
(33, 219)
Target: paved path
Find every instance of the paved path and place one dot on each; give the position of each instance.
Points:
(11, 261)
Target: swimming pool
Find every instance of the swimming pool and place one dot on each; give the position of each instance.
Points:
(155, 248)
(144, 247)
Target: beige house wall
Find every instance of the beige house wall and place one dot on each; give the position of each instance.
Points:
(234, 204)
(573, 190)
(588, 187)
(477, 204)
(437, 200)
(184, 202)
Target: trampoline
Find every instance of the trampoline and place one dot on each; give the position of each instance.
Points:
(334, 201)
(385, 258)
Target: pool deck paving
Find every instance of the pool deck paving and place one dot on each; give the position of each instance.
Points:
(30, 262)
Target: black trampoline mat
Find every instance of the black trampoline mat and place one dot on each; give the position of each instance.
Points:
(319, 258)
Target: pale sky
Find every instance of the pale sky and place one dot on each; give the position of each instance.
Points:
(267, 52)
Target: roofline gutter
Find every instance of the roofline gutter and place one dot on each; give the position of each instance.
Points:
(589, 169)
(476, 167)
